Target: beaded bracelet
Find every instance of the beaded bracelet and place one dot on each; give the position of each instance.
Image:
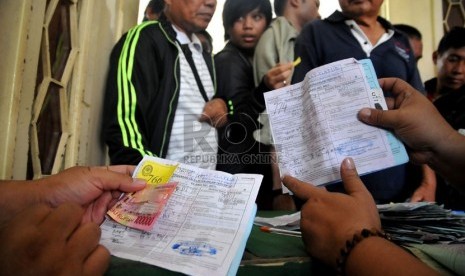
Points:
(350, 244)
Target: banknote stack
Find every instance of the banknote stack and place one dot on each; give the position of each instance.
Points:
(422, 222)
(141, 209)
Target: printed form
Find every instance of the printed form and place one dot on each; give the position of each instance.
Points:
(202, 230)
(315, 126)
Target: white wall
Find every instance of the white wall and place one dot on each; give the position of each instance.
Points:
(427, 17)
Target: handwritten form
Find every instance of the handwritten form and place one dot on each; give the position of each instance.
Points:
(203, 228)
(315, 126)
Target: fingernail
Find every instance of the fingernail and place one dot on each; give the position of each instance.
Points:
(348, 163)
(138, 182)
(364, 113)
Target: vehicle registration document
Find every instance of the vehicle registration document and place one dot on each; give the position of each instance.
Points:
(315, 126)
(204, 226)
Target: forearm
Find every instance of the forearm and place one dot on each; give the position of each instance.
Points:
(16, 195)
(429, 179)
(427, 189)
(265, 56)
(449, 160)
(376, 255)
(429, 176)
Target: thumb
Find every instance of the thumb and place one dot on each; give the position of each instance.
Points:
(352, 182)
(379, 118)
(127, 184)
(112, 179)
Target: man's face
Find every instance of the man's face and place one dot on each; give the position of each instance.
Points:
(190, 15)
(357, 8)
(451, 69)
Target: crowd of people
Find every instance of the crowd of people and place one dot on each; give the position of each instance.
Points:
(168, 95)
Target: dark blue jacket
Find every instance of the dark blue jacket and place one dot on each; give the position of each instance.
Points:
(325, 41)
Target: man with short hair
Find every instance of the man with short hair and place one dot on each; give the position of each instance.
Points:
(450, 64)
(160, 90)
(447, 91)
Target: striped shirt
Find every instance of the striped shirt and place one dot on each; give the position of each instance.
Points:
(192, 142)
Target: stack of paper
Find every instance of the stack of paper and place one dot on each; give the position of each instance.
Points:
(419, 222)
(422, 222)
(203, 228)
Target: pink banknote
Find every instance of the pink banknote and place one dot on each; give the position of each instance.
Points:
(141, 209)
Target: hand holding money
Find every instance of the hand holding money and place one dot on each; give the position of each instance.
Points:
(141, 209)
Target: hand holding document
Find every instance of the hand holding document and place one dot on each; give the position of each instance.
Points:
(204, 226)
(141, 209)
(314, 123)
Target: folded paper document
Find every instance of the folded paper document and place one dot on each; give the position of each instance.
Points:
(203, 228)
(314, 123)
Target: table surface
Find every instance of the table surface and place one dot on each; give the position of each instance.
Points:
(265, 254)
(273, 254)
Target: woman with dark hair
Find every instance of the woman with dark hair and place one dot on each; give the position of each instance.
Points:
(244, 22)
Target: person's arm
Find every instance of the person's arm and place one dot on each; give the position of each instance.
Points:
(215, 113)
(433, 142)
(376, 256)
(265, 55)
(132, 84)
(278, 76)
(93, 188)
(330, 220)
(235, 85)
(427, 189)
(271, 70)
(41, 240)
(50, 226)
